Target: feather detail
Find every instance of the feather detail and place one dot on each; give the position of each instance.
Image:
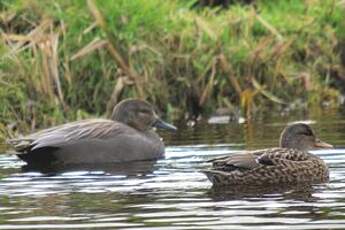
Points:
(267, 166)
(68, 133)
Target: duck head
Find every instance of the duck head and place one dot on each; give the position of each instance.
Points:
(139, 114)
(301, 136)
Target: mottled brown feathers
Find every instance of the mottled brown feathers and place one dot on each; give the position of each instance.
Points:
(291, 163)
(272, 166)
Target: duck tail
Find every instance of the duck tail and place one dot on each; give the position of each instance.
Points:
(20, 145)
(217, 177)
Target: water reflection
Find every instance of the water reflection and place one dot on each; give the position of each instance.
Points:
(301, 192)
(172, 193)
(127, 168)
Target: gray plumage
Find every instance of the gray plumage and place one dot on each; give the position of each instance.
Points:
(129, 137)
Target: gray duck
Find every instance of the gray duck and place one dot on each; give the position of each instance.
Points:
(291, 163)
(127, 136)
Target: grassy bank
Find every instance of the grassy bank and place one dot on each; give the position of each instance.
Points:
(69, 60)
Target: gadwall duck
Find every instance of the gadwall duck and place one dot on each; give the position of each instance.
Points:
(128, 136)
(291, 163)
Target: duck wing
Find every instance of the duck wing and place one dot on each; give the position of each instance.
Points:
(253, 159)
(68, 133)
(241, 161)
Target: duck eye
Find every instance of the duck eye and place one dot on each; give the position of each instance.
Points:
(144, 111)
(306, 133)
(303, 134)
(145, 114)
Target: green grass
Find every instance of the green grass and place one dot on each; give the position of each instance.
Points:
(184, 60)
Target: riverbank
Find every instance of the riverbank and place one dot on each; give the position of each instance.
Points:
(75, 59)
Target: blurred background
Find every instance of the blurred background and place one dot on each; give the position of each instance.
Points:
(230, 74)
(67, 60)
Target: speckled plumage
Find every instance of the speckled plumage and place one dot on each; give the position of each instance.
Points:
(271, 166)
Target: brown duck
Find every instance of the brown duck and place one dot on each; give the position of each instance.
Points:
(291, 163)
(128, 136)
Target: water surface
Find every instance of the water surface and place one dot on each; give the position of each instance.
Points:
(172, 193)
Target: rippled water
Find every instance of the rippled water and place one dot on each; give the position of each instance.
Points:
(172, 193)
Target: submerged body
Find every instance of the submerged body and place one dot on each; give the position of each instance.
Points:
(127, 137)
(289, 164)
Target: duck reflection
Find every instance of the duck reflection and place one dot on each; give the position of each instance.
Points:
(303, 192)
(133, 168)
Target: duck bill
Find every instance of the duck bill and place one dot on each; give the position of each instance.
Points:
(164, 125)
(322, 144)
